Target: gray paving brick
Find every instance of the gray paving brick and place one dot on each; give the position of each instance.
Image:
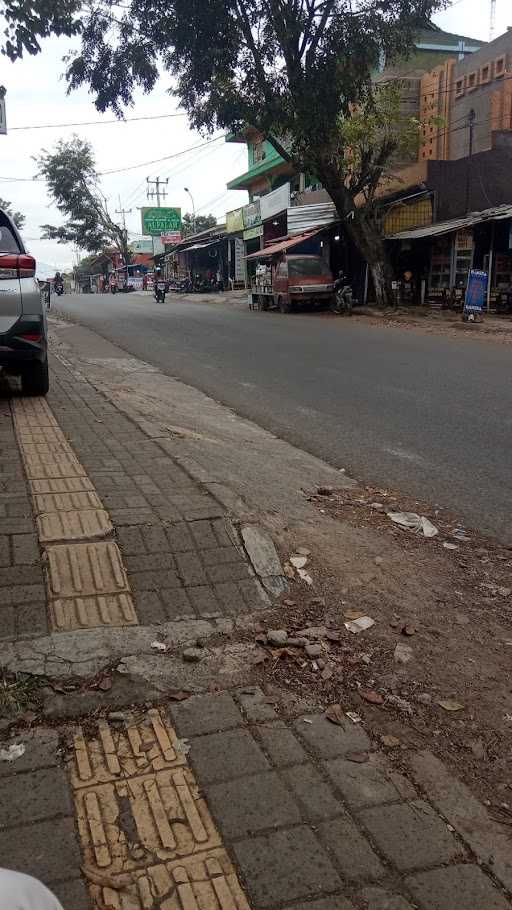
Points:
(25, 549)
(411, 835)
(378, 899)
(254, 706)
(131, 541)
(40, 752)
(179, 537)
(231, 572)
(7, 622)
(5, 553)
(223, 531)
(190, 569)
(221, 556)
(31, 619)
(21, 509)
(203, 600)
(282, 747)
(353, 854)
(149, 608)
(456, 888)
(17, 526)
(366, 784)
(23, 594)
(21, 575)
(222, 756)
(286, 866)
(203, 534)
(150, 562)
(132, 517)
(73, 894)
(238, 597)
(176, 603)
(317, 798)
(48, 850)
(206, 714)
(327, 740)
(247, 805)
(155, 540)
(34, 796)
(154, 581)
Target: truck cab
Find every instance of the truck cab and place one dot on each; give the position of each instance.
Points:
(300, 278)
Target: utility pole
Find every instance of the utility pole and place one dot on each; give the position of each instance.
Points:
(157, 191)
(124, 212)
(471, 125)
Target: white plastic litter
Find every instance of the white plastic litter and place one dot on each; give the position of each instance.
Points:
(159, 646)
(355, 718)
(305, 577)
(411, 521)
(359, 625)
(450, 546)
(298, 561)
(12, 752)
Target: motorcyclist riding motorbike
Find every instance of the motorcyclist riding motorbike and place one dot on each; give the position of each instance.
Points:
(58, 284)
(343, 296)
(161, 287)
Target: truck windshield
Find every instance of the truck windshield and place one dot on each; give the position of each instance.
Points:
(307, 266)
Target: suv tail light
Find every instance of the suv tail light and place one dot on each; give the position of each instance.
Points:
(12, 266)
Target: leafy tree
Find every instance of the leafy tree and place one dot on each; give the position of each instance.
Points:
(191, 225)
(17, 217)
(73, 184)
(297, 70)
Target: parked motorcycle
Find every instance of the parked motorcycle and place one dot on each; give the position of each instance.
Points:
(59, 289)
(343, 297)
(160, 291)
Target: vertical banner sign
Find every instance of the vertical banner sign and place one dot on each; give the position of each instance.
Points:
(3, 116)
(476, 293)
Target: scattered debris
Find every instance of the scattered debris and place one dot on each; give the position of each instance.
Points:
(450, 705)
(159, 646)
(16, 750)
(332, 635)
(460, 534)
(325, 491)
(192, 655)
(289, 603)
(359, 625)
(378, 506)
(327, 672)
(307, 720)
(391, 742)
(314, 650)
(303, 551)
(424, 698)
(450, 546)
(355, 718)
(409, 629)
(105, 684)
(399, 703)
(298, 561)
(182, 746)
(335, 714)
(305, 577)
(359, 757)
(179, 696)
(411, 521)
(354, 614)
(277, 637)
(369, 695)
(403, 653)
(378, 560)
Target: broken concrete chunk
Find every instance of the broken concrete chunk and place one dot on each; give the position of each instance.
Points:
(193, 655)
(277, 637)
(314, 650)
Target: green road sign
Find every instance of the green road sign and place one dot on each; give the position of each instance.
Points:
(156, 221)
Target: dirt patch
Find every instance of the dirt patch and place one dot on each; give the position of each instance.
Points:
(434, 669)
(439, 322)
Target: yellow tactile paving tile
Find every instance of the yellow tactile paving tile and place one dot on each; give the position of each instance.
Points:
(91, 612)
(58, 464)
(42, 436)
(88, 569)
(143, 743)
(66, 501)
(208, 882)
(88, 524)
(134, 822)
(61, 485)
(32, 412)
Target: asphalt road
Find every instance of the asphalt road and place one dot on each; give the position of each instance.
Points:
(428, 415)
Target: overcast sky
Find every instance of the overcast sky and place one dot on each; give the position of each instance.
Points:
(36, 94)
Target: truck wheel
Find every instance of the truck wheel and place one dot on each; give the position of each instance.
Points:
(35, 379)
(263, 303)
(284, 304)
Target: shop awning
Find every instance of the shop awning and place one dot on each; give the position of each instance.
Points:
(283, 245)
(499, 213)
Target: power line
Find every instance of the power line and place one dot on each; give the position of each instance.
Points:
(117, 120)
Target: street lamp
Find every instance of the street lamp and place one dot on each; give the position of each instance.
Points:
(193, 208)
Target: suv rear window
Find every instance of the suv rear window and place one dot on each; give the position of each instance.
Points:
(8, 242)
(304, 266)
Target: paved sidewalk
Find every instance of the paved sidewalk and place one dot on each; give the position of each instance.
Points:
(219, 801)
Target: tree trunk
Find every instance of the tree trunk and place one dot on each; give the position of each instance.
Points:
(363, 230)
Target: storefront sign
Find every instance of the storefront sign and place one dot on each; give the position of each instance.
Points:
(275, 202)
(239, 259)
(142, 246)
(171, 237)
(252, 214)
(254, 232)
(160, 220)
(476, 294)
(235, 221)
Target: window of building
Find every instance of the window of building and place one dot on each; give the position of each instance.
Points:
(459, 87)
(440, 263)
(472, 81)
(485, 74)
(463, 257)
(500, 66)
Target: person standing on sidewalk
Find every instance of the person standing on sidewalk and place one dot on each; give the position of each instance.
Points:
(22, 892)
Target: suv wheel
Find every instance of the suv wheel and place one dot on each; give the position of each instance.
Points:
(284, 304)
(35, 379)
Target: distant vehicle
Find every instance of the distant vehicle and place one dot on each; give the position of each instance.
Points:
(23, 327)
(292, 280)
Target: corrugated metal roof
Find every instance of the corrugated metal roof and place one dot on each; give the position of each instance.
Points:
(282, 245)
(304, 217)
(499, 213)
